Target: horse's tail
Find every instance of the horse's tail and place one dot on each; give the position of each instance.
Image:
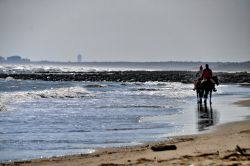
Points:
(216, 80)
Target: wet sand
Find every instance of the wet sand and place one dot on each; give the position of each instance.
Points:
(244, 103)
(218, 147)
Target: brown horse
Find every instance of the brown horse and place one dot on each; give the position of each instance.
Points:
(205, 89)
(199, 92)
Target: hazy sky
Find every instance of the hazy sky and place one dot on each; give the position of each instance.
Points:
(126, 30)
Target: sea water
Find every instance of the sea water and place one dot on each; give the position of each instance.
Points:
(44, 118)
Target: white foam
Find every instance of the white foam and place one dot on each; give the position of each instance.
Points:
(71, 92)
(2, 107)
(24, 68)
(170, 90)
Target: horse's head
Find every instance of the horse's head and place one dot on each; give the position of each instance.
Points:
(216, 80)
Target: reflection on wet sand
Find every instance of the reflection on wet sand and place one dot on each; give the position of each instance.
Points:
(206, 116)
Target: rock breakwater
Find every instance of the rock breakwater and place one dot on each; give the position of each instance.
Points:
(129, 76)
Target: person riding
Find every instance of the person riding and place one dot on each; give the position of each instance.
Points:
(207, 75)
(198, 77)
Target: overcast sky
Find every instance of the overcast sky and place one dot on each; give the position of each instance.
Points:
(126, 30)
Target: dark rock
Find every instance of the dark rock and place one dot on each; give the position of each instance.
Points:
(163, 147)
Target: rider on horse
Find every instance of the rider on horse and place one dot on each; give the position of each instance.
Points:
(207, 75)
(198, 77)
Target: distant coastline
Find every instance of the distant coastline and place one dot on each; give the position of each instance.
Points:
(168, 65)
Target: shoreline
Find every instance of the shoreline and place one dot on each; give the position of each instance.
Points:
(216, 147)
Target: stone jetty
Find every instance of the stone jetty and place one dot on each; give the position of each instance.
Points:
(128, 76)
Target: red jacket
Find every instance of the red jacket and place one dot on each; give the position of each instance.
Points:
(207, 74)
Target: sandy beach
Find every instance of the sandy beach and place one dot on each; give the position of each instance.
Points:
(227, 144)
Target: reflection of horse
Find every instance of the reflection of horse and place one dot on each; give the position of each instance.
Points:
(205, 117)
(205, 88)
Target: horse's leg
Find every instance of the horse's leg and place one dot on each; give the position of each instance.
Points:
(205, 97)
(200, 95)
(197, 93)
(210, 97)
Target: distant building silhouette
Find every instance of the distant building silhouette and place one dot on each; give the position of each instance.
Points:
(2, 59)
(16, 59)
(79, 58)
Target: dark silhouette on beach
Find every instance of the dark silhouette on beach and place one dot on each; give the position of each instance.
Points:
(205, 85)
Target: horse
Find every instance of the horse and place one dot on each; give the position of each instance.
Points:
(206, 88)
(199, 92)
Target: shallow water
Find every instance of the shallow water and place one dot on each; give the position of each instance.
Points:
(43, 119)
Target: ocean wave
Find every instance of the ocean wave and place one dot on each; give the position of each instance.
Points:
(79, 131)
(163, 118)
(147, 106)
(55, 68)
(135, 106)
(95, 86)
(71, 92)
(9, 78)
(147, 89)
(135, 128)
(2, 107)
